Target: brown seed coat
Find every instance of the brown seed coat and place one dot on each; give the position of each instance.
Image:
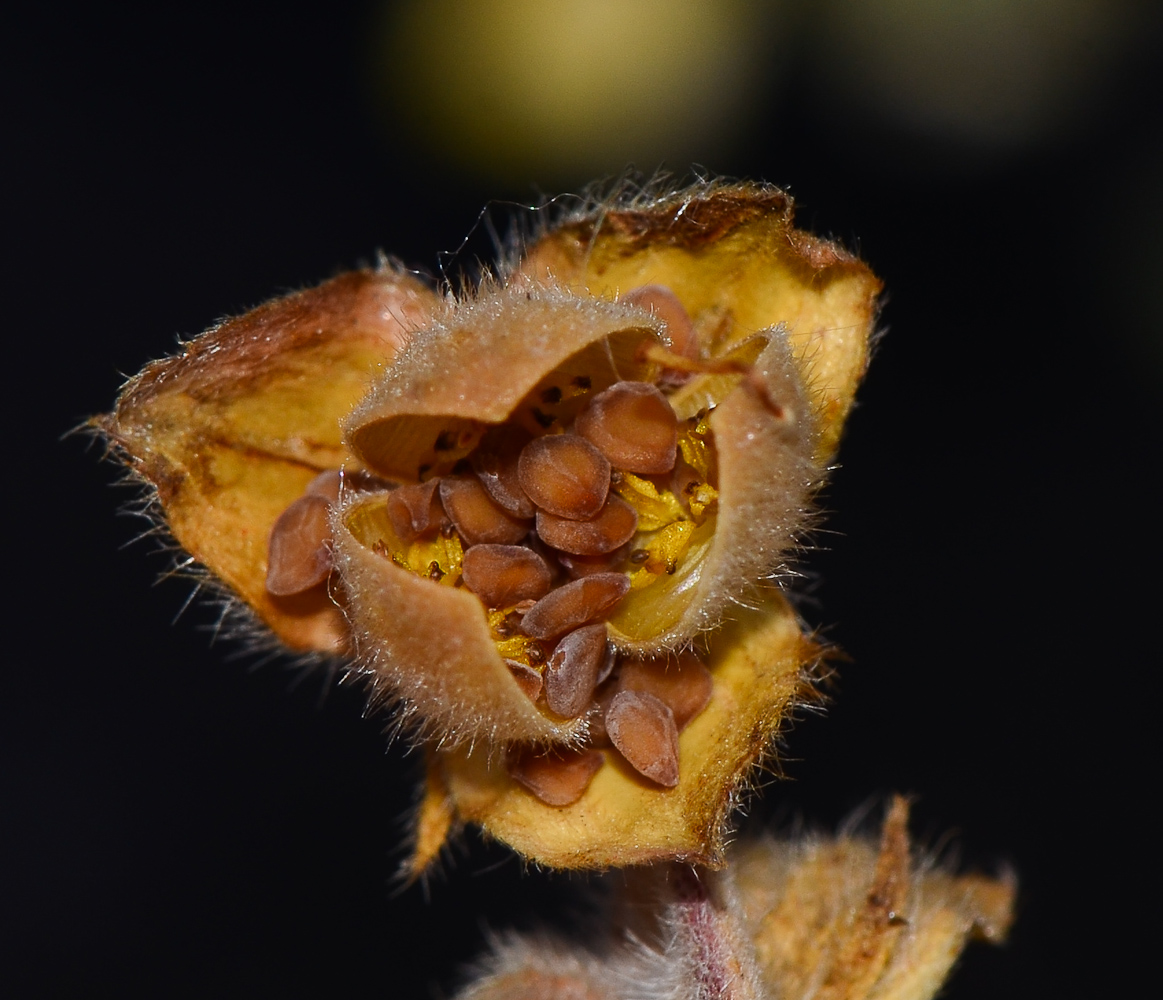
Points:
(575, 604)
(557, 778)
(415, 510)
(502, 575)
(565, 475)
(642, 727)
(612, 528)
(634, 426)
(684, 684)
(299, 553)
(495, 461)
(573, 670)
(476, 517)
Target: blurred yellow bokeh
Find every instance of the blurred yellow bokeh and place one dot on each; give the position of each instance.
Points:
(563, 90)
(985, 73)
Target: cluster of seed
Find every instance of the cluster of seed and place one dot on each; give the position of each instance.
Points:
(544, 537)
(545, 541)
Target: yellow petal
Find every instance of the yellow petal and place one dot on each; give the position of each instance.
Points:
(732, 256)
(758, 664)
(231, 430)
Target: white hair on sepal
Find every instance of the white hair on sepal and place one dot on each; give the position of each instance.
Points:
(671, 933)
(539, 967)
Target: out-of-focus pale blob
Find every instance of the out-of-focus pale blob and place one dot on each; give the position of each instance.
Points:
(565, 90)
(991, 74)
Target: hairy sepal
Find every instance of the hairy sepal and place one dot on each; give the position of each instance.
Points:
(428, 647)
(834, 918)
(479, 363)
(767, 475)
(230, 431)
(738, 265)
(759, 662)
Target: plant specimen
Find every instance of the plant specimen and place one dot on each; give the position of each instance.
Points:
(548, 520)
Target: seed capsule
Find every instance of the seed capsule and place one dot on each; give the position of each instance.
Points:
(634, 426)
(573, 670)
(415, 510)
(557, 778)
(642, 728)
(478, 519)
(684, 684)
(613, 527)
(575, 604)
(502, 575)
(298, 555)
(565, 475)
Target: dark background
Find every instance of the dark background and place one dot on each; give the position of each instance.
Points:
(178, 821)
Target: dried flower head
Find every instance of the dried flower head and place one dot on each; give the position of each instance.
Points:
(834, 919)
(546, 518)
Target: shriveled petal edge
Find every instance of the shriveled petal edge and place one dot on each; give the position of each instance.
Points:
(720, 244)
(171, 421)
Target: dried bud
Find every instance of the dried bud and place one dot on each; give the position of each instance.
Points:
(841, 919)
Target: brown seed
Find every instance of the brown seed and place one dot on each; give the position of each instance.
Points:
(528, 679)
(299, 551)
(478, 519)
(573, 670)
(502, 575)
(495, 461)
(684, 684)
(634, 426)
(415, 510)
(575, 604)
(326, 484)
(642, 728)
(565, 475)
(665, 305)
(579, 566)
(559, 777)
(611, 529)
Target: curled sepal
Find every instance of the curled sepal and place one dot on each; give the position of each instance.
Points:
(759, 664)
(233, 430)
(533, 358)
(764, 438)
(736, 263)
(430, 645)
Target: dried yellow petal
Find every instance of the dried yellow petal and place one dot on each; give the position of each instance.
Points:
(233, 429)
(757, 663)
